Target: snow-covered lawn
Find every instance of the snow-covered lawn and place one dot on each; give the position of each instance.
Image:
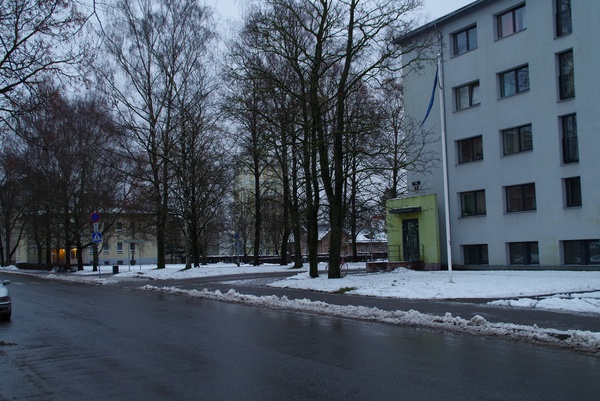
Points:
(576, 291)
(566, 291)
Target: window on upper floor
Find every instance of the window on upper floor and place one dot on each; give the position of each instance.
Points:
(475, 254)
(518, 139)
(570, 145)
(472, 203)
(582, 252)
(465, 40)
(514, 81)
(564, 26)
(524, 253)
(572, 191)
(520, 198)
(566, 75)
(511, 21)
(119, 247)
(470, 149)
(467, 95)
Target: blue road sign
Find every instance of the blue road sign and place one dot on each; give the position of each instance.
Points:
(96, 237)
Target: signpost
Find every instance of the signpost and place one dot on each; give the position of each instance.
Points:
(96, 239)
(132, 243)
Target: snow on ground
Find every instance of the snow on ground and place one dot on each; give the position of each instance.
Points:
(575, 291)
(566, 291)
(410, 284)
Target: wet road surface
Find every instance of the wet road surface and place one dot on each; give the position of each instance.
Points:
(75, 342)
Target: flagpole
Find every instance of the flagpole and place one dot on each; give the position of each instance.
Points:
(445, 165)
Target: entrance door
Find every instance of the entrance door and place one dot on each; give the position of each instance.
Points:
(410, 240)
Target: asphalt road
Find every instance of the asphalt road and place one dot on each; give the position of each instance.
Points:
(83, 342)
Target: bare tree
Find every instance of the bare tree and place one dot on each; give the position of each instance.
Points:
(363, 148)
(202, 180)
(148, 43)
(13, 201)
(38, 37)
(404, 143)
(334, 48)
(243, 102)
(199, 166)
(273, 61)
(70, 147)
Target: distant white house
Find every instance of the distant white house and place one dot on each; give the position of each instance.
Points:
(522, 132)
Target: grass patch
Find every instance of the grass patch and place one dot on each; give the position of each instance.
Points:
(344, 290)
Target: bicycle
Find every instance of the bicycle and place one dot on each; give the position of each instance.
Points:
(343, 268)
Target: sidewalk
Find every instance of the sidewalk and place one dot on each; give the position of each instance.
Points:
(466, 308)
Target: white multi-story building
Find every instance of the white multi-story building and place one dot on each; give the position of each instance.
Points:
(521, 89)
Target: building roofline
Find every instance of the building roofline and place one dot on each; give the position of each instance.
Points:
(433, 24)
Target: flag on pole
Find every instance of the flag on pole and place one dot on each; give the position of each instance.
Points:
(435, 83)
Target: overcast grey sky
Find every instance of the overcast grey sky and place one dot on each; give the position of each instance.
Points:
(433, 8)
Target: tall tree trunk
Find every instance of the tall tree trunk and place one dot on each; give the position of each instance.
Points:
(296, 225)
(79, 256)
(68, 243)
(257, 213)
(334, 186)
(6, 256)
(163, 215)
(48, 247)
(40, 254)
(286, 213)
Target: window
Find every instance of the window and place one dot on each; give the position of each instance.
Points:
(467, 95)
(470, 149)
(582, 252)
(524, 253)
(475, 254)
(465, 40)
(514, 81)
(563, 17)
(512, 21)
(517, 139)
(572, 192)
(119, 226)
(119, 247)
(570, 146)
(520, 198)
(472, 203)
(566, 77)
(105, 248)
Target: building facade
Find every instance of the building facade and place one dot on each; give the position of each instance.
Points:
(128, 240)
(520, 109)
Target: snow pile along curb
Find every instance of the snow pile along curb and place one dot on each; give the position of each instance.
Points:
(584, 341)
